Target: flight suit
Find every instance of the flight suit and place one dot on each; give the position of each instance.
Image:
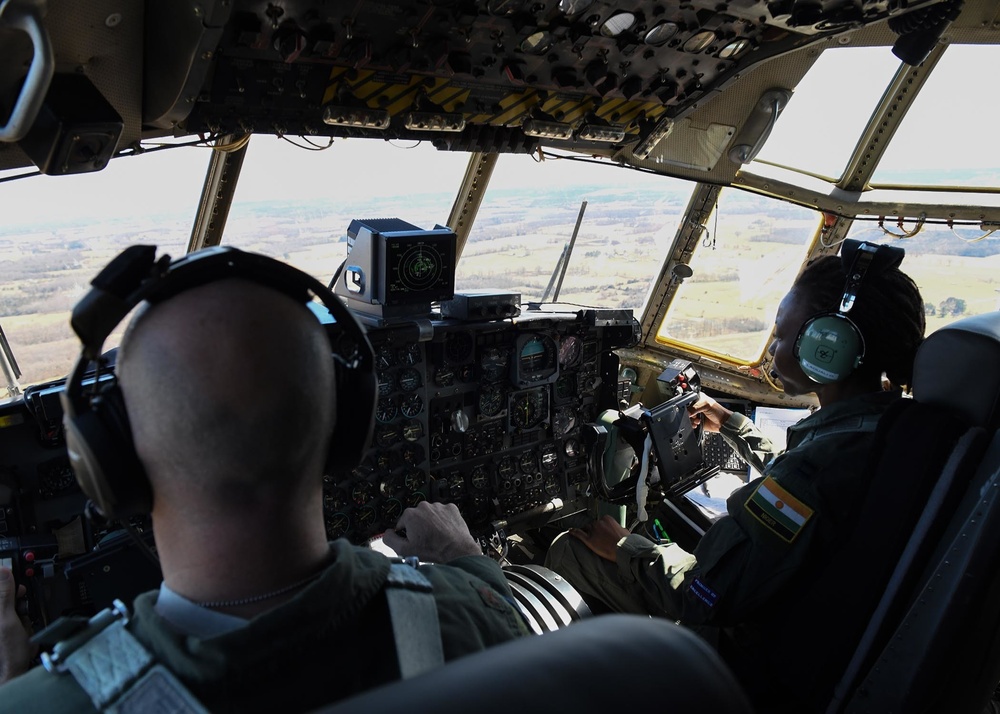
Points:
(332, 640)
(779, 531)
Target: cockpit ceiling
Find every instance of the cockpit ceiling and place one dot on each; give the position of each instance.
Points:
(486, 75)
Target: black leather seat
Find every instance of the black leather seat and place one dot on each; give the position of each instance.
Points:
(601, 664)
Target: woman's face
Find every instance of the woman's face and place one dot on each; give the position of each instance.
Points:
(792, 313)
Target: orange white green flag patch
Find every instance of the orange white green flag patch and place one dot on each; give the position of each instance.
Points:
(778, 510)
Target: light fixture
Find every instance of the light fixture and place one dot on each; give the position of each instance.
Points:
(358, 117)
(547, 129)
(602, 133)
(537, 44)
(572, 7)
(661, 33)
(434, 121)
(734, 48)
(696, 43)
(758, 125)
(617, 24)
(645, 147)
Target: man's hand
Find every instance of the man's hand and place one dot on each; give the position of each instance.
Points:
(434, 532)
(709, 412)
(601, 536)
(16, 649)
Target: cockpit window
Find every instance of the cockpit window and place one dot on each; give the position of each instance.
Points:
(295, 199)
(522, 240)
(829, 110)
(749, 254)
(57, 232)
(955, 268)
(949, 135)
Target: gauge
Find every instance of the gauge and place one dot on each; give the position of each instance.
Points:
(411, 405)
(386, 410)
(458, 347)
(528, 409)
(505, 469)
(337, 525)
(409, 379)
(415, 498)
(572, 7)
(566, 386)
(392, 509)
(413, 430)
(494, 362)
(414, 479)
(362, 492)
(444, 376)
(386, 436)
(413, 454)
(366, 517)
(552, 485)
(386, 383)
(734, 49)
(480, 478)
(536, 359)
(385, 357)
(466, 373)
(409, 354)
(570, 350)
(491, 401)
(563, 421)
(387, 460)
(335, 500)
(456, 485)
(572, 448)
(527, 462)
(549, 459)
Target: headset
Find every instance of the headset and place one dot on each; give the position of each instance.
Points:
(98, 435)
(829, 346)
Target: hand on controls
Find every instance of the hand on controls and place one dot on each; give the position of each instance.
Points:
(16, 650)
(709, 412)
(601, 536)
(434, 532)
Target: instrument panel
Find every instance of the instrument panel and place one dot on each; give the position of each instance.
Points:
(486, 415)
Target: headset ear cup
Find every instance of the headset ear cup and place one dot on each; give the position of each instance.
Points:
(99, 441)
(829, 348)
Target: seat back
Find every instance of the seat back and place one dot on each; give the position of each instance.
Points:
(594, 665)
(933, 641)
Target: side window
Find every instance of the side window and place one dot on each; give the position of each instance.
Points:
(748, 257)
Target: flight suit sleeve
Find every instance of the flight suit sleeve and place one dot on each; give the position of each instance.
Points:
(750, 442)
(743, 559)
(475, 605)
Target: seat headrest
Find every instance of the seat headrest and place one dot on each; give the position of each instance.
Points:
(958, 367)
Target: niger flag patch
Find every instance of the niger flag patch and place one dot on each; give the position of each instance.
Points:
(778, 510)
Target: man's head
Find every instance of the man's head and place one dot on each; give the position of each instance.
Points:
(229, 391)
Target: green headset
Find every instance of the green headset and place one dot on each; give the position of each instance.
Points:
(830, 346)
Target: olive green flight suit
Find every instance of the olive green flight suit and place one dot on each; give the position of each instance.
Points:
(332, 640)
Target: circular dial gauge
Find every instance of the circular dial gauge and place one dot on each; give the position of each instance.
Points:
(490, 401)
(527, 462)
(570, 350)
(386, 436)
(409, 354)
(413, 430)
(337, 525)
(414, 480)
(494, 362)
(411, 405)
(536, 359)
(386, 410)
(385, 357)
(479, 478)
(458, 346)
(409, 379)
(444, 376)
(505, 469)
(392, 509)
(563, 421)
(528, 409)
(386, 384)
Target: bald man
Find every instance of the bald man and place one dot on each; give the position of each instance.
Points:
(228, 388)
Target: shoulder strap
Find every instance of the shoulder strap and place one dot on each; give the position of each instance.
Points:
(413, 613)
(116, 671)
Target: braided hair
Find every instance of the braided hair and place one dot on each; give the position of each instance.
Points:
(888, 311)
